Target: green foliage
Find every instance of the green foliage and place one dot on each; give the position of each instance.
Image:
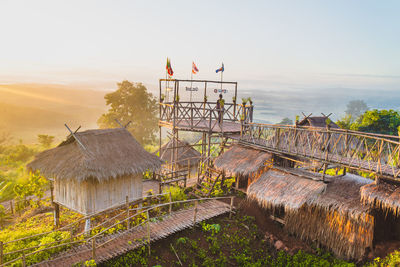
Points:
(392, 260)
(378, 121)
(45, 140)
(286, 121)
(177, 193)
(345, 122)
(244, 101)
(90, 263)
(132, 102)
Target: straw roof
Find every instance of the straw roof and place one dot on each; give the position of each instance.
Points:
(107, 153)
(185, 153)
(276, 189)
(336, 218)
(316, 122)
(239, 160)
(384, 195)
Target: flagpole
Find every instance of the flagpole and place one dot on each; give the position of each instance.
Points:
(191, 83)
(221, 80)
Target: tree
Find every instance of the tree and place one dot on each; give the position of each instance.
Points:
(378, 121)
(355, 108)
(286, 121)
(45, 140)
(132, 103)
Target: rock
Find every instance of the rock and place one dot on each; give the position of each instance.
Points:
(279, 245)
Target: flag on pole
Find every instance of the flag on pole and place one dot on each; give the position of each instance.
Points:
(195, 70)
(220, 69)
(169, 68)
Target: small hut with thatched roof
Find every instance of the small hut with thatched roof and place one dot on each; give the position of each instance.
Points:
(330, 213)
(384, 199)
(316, 121)
(95, 170)
(187, 157)
(244, 163)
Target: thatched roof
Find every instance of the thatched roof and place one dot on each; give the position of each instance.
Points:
(107, 154)
(239, 160)
(384, 195)
(185, 152)
(336, 218)
(275, 189)
(316, 122)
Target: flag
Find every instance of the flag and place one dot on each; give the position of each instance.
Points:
(195, 70)
(220, 69)
(169, 68)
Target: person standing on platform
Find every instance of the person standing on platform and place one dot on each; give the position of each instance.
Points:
(220, 108)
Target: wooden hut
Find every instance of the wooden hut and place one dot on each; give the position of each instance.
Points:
(187, 157)
(330, 214)
(243, 163)
(384, 199)
(95, 170)
(316, 121)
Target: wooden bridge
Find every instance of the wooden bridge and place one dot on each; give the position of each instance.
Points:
(157, 221)
(374, 153)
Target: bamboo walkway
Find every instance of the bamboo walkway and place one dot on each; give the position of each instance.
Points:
(118, 244)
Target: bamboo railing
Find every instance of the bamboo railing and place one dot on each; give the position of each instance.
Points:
(86, 238)
(374, 153)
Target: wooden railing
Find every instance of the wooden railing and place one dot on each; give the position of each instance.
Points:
(195, 114)
(375, 153)
(84, 238)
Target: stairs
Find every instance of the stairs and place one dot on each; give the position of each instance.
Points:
(207, 181)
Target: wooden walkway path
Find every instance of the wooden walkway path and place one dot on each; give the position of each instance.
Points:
(120, 243)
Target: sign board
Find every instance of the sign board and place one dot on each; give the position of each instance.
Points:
(220, 91)
(192, 89)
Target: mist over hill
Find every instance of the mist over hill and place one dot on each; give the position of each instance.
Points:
(27, 110)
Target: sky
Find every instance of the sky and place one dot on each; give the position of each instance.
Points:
(267, 45)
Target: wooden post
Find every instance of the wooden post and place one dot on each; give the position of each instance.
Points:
(1, 252)
(127, 212)
(71, 234)
(277, 134)
(195, 212)
(188, 169)
(11, 207)
(56, 215)
(23, 259)
(170, 202)
(231, 208)
(94, 248)
(148, 230)
(160, 187)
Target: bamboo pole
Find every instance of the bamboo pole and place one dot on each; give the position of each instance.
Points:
(127, 215)
(1, 252)
(23, 259)
(170, 202)
(195, 212)
(231, 208)
(94, 248)
(148, 230)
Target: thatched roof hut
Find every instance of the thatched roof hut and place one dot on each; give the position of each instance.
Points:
(186, 154)
(385, 196)
(316, 121)
(278, 189)
(331, 214)
(336, 218)
(243, 162)
(97, 173)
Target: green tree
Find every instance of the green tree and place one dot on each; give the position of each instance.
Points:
(131, 102)
(286, 121)
(45, 140)
(378, 121)
(355, 108)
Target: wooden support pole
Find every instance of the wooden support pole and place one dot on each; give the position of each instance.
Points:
(127, 212)
(231, 207)
(148, 231)
(11, 207)
(23, 259)
(71, 234)
(1, 252)
(94, 248)
(56, 215)
(170, 202)
(188, 169)
(195, 212)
